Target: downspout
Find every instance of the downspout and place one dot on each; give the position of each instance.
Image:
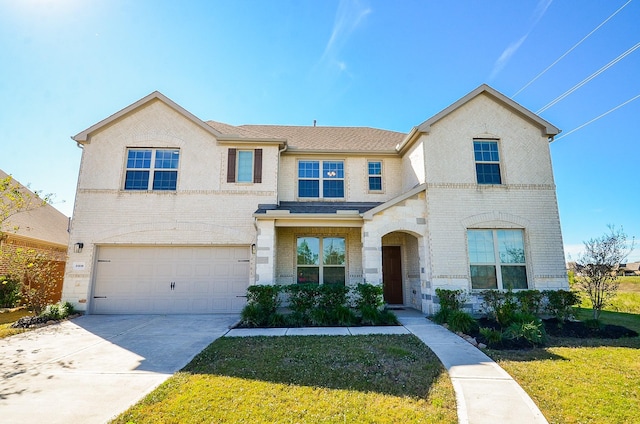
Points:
(280, 152)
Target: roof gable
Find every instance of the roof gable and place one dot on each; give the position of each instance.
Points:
(84, 136)
(548, 128)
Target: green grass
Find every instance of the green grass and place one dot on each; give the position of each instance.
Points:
(582, 381)
(626, 300)
(333, 379)
(8, 318)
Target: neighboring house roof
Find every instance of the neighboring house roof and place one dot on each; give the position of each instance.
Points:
(44, 223)
(632, 266)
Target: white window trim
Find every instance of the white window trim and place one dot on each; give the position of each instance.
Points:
(151, 168)
(497, 263)
(321, 179)
(368, 175)
(499, 161)
(238, 166)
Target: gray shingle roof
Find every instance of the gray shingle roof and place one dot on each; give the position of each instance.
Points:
(318, 207)
(319, 138)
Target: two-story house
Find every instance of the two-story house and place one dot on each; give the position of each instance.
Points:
(178, 215)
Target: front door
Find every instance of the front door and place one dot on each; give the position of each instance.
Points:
(392, 275)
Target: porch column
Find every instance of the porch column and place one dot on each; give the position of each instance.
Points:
(371, 256)
(265, 251)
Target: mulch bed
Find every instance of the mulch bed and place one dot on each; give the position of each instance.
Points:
(571, 329)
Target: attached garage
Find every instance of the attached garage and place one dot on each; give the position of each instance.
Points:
(170, 280)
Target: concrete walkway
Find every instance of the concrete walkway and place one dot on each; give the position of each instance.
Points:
(485, 393)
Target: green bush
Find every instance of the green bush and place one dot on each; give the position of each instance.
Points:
(368, 295)
(9, 292)
(442, 316)
(57, 311)
(531, 331)
(460, 321)
(560, 303)
(451, 300)
(500, 306)
(262, 305)
(492, 336)
(530, 301)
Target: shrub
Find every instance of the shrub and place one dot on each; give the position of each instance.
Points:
(57, 311)
(492, 336)
(500, 306)
(442, 316)
(460, 321)
(368, 295)
(9, 292)
(530, 301)
(560, 303)
(530, 331)
(451, 300)
(262, 305)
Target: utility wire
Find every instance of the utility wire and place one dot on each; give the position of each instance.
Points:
(570, 50)
(589, 78)
(598, 117)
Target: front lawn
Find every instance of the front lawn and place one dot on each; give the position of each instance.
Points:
(582, 380)
(382, 379)
(8, 318)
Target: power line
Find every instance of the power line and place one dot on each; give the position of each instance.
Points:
(571, 49)
(598, 117)
(589, 78)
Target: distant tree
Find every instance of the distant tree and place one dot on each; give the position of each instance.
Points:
(35, 269)
(598, 265)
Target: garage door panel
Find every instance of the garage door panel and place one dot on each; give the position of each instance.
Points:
(138, 279)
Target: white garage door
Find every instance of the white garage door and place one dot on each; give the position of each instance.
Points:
(170, 280)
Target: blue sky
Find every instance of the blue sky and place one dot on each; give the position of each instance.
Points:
(67, 64)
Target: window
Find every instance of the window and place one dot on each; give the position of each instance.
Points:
(244, 166)
(375, 175)
(497, 259)
(321, 259)
(326, 184)
(163, 175)
(487, 161)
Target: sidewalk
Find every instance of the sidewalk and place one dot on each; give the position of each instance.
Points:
(485, 393)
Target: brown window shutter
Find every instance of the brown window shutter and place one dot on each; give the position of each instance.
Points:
(231, 166)
(257, 166)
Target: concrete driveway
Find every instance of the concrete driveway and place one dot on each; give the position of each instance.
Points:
(92, 368)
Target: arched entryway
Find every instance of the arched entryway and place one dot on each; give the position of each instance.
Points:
(401, 269)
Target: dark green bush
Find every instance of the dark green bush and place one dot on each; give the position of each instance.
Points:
(452, 300)
(492, 336)
(530, 301)
(460, 321)
(442, 316)
(560, 303)
(262, 305)
(531, 331)
(368, 295)
(9, 292)
(501, 306)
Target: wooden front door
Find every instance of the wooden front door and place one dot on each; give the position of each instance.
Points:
(392, 275)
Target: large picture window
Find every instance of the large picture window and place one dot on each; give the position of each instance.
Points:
(320, 179)
(497, 259)
(321, 260)
(152, 169)
(487, 161)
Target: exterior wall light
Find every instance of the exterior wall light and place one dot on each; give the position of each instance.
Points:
(77, 248)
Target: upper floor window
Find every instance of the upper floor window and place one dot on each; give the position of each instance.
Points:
(244, 166)
(375, 175)
(487, 161)
(320, 179)
(497, 259)
(152, 169)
